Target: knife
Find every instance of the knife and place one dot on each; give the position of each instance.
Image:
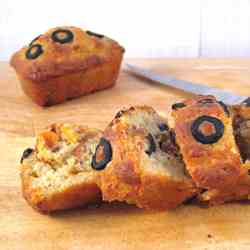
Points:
(195, 88)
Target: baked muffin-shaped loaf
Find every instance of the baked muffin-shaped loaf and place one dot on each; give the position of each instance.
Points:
(57, 174)
(204, 134)
(67, 62)
(138, 162)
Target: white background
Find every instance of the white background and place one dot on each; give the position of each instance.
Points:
(149, 28)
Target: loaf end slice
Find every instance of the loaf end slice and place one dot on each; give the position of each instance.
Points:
(57, 174)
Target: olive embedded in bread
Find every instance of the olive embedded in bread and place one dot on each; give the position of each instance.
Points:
(119, 113)
(34, 51)
(178, 105)
(211, 100)
(94, 34)
(206, 101)
(151, 144)
(225, 107)
(34, 40)
(163, 127)
(140, 172)
(102, 156)
(62, 36)
(211, 134)
(26, 153)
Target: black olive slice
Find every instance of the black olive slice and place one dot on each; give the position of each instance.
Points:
(191, 200)
(225, 107)
(168, 145)
(163, 127)
(26, 153)
(206, 101)
(178, 105)
(119, 114)
(106, 148)
(152, 146)
(34, 51)
(172, 136)
(207, 139)
(62, 36)
(90, 33)
(36, 38)
(246, 102)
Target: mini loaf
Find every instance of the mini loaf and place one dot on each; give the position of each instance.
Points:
(65, 63)
(138, 162)
(204, 133)
(57, 174)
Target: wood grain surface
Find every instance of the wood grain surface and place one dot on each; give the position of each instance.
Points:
(113, 226)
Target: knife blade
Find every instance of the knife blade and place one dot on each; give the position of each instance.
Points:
(195, 88)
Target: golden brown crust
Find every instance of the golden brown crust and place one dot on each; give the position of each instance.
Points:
(60, 89)
(159, 193)
(73, 197)
(239, 191)
(46, 169)
(214, 165)
(152, 192)
(84, 52)
(69, 70)
(126, 177)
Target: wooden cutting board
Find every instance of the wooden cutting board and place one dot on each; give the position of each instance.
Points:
(113, 226)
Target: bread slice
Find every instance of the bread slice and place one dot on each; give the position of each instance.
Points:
(204, 133)
(138, 162)
(57, 174)
(241, 189)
